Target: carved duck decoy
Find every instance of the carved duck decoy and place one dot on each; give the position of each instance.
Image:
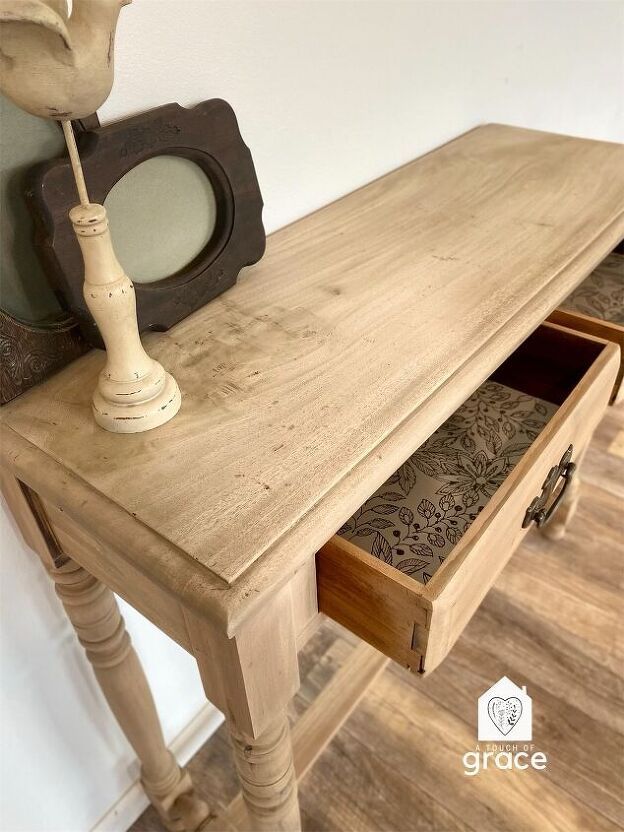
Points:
(54, 65)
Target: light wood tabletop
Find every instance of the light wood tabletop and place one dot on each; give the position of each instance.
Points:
(357, 316)
(304, 387)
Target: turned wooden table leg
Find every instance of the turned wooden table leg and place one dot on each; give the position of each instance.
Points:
(267, 777)
(252, 676)
(556, 528)
(93, 611)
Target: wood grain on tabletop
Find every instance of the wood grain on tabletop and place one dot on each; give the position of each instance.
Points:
(407, 280)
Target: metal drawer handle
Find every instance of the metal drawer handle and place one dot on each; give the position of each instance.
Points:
(538, 510)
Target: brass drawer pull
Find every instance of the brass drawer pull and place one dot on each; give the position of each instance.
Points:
(538, 510)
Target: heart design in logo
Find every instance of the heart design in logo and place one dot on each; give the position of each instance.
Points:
(505, 713)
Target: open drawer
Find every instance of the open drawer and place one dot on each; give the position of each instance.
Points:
(415, 616)
(596, 307)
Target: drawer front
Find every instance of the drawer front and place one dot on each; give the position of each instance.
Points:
(417, 624)
(600, 329)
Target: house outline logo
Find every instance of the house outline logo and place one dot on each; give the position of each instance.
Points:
(505, 713)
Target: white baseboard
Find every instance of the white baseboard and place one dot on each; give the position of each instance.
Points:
(134, 801)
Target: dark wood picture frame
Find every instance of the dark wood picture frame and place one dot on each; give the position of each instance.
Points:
(208, 135)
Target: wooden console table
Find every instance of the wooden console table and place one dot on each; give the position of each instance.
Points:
(304, 387)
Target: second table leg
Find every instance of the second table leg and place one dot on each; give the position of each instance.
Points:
(92, 609)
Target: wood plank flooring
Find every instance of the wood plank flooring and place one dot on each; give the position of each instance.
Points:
(553, 621)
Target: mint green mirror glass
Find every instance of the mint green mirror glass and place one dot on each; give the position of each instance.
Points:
(162, 214)
(24, 140)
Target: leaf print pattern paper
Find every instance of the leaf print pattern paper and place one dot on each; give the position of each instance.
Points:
(601, 295)
(413, 521)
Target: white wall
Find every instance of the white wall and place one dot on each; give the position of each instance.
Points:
(329, 95)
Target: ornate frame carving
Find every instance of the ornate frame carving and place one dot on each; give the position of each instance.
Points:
(29, 353)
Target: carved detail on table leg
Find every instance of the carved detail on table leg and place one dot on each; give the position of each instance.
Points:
(556, 528)
(267, 776)
(251, 676)
(93, 611)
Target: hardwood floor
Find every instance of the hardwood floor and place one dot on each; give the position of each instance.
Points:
(553, 621)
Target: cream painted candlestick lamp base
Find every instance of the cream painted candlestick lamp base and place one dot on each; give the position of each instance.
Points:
(134, 392)
(60, 66)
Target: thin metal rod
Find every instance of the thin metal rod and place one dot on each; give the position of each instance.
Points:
(74, 158)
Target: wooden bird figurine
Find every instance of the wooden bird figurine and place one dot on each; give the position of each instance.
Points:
(55, 66)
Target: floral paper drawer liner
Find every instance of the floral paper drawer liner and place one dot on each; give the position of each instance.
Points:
(413, 521)
(601, 295)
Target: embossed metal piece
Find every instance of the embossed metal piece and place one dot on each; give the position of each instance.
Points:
(539, 510)
(30, 353)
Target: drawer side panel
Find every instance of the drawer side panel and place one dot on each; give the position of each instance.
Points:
(354, 590)
(599, 329)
